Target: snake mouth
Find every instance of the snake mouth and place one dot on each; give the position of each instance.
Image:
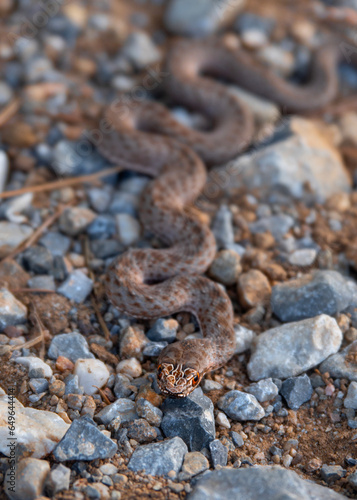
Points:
(175, 381)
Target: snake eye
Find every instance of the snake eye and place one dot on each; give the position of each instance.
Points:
(196, 378)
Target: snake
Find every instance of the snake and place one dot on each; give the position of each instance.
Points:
(144, 136)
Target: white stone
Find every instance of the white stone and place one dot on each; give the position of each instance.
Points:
(244, 338)
(303, 257)
(38, 430)
(12, 311)
(130, 367)
(293, 348)
(277, 58)
(91, 372)
(4, 170)
(128, 228)
(264, 111)
(140, 50)
(12, 209)
(33, 363)
(222, 420)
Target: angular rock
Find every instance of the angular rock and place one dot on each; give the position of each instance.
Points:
(163, 330)
(244, 338)
(291, 349)
(77, 286)
(264, 390)
(193, 464)
(58, 479)
(148, 411)
(71, 345)
(296, 391)
(43, 282)
(158, 459)
(277, 225)
(241, 406)
(351, 398)
(226, 267)
(332, 473)
(132, 342)
(200, 18)
(251, 483)
(219, 453)
(191, 418)
(253, 289)
(74, 220)
(321, 292)
(84, 441)
(121, 386)
(140, 50)
(37, 430)
(92, 373)
(57, 243)
(12, 311)
(35, 366)
(4, 169)
(11, 234)
(141, 431)
(342, 364)
(38, 259)
(124, 408)
(30, 478)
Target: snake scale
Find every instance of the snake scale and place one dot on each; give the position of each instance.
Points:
(145, 137)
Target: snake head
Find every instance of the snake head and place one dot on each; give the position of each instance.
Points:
(177, 381)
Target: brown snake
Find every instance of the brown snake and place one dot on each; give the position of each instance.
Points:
(144, 137)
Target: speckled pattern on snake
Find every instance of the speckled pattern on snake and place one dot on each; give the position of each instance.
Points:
(144, 137)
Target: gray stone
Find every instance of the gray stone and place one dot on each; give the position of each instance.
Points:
(321, 292)
(193, 464)
(264, 390)
(72, 385)
(35, 366)
(121, 386)
(277, 225)
(128, 228)
(104, 249)
(210, 385)
(6, 93)
(148, 411)
(70, 345)
(38, 259)
(4, 170)
(294, 348)
(84, 441)
(222, 227)
(191, 418)
(237, 439)
(254, 483)
(103, 227)
(351, 398)
(332, 473)
(58, 479)
(68, 159)
(100, 197)
(124, 202)
(158, 459)
(38, 385)
(153, 349)
(124, 408)
(140, 50)
(296, 391)
(74, 220)
(12, 311)
(76, 287)
(44, 282)
(163, 330)
(199, 18)
(253, 29)
(352, 479)
(58, 244)
(226, 267)
(141, 431)
(219, 453)
(12, 235)
(342, 364)
(30, 479)
(244, 338)
(241, 406)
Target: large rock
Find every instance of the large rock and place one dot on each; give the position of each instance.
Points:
(321, 292)
(38, 431)
(300, 156)
(255, 483)
(342, 364)
(288, 350)
(29, 479)
(241, 406)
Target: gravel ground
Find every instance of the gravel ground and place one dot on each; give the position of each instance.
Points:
(80, 411)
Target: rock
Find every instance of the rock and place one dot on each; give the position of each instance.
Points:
(74, 220)
(104, 249)
(131, 367)
(71, 345)
(68, 159)
(153, 349)
(237, 439)
(35, 366)
(125, 202)
(58, 479)
(108, 469)
(352, 479)
(254, 30)
(210, 385)
(193, 464)
(201, 18)
(264, 390)
(37, 430)
(29, 480)
(222, 420)
(84, 441)
(121, 386)
(13, 208)
(244, 338)
(348, 124)
(342, 364)
(277, 225)
(42, 282)
(303, 257)
(140, 50)
(249, 483)
(163, 330)
(351, 398)
(103, 227)
(38, 385)
(58, 244)
(100, 198)
(132, 342)
(219, 453)
(76, 287)
(222, 227)
(4, 170)
(321, 292)
(128, 229)
(141, 431)
(158, 459)
(296, 391)
(12, 311)
(226, 267)
(38, 259)
(253, 289)
(92, 374)
(275, 350)
(191, 418)
(241, 406)
(124, 408)
(12, 235)
(332, 473)
(148, 411)
(277, 58)
(301, 154)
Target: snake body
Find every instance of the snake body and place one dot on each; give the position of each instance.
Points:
(144, 137)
